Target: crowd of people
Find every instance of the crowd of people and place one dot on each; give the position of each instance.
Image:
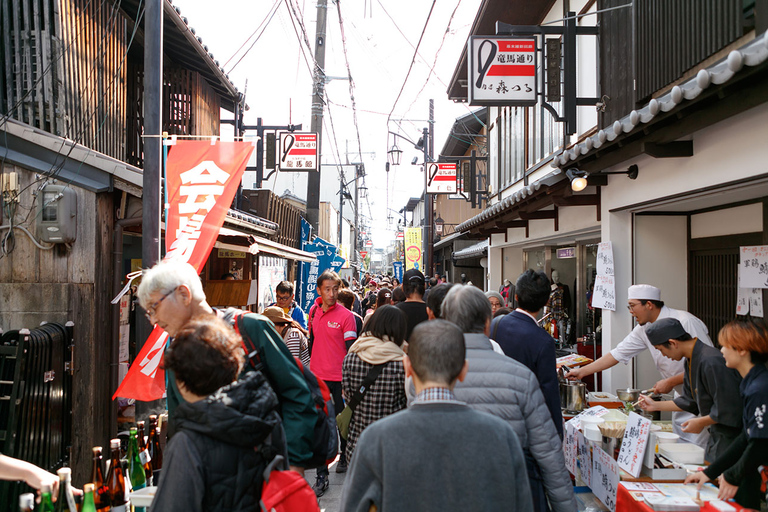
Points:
(452, 392)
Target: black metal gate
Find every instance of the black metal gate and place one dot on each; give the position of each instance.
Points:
(35, 400)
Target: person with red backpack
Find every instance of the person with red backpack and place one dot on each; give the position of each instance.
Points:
(171, 294)
(331, 326)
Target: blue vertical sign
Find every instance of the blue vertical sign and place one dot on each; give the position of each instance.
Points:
(398, 267)
(327, 258)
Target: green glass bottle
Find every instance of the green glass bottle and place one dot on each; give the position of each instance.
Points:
(88, 503)
(135, 467)
(46, 500)
(66, 501)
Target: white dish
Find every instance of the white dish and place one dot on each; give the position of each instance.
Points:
(143, 497)
(666, 437)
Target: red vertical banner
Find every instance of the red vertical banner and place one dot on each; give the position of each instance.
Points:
(201, 180)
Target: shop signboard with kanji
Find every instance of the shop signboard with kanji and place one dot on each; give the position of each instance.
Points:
(298, 152)
(441, 178)
(502, 71)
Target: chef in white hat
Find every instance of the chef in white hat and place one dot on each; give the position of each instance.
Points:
(645, 305)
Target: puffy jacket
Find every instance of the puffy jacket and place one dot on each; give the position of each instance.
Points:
(501, 386)
(211, 462)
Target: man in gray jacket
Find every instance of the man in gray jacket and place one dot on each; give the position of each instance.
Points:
(501, 386)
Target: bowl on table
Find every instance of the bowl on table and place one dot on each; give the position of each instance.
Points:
(666, 437)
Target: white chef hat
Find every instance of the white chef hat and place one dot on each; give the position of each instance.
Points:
(644, 292)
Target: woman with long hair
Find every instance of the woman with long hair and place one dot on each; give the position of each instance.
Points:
(745, 348)
(380, 343)
(383, 298)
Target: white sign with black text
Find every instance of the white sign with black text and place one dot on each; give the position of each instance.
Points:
(441, 178)
(604, 293)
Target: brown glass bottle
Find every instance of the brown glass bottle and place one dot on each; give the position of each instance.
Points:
(100, 494)
(116, 480)
(153, 445)
(146, 458)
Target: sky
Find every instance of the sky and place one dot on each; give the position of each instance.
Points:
(265, 54)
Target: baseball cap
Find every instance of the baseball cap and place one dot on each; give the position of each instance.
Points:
(665, 329)
(644, 292)
(413, 274)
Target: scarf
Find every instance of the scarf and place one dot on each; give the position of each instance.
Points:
(374, 350)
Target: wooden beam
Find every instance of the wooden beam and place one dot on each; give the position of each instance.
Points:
(538, 215)
(676, 149)
(580, 200)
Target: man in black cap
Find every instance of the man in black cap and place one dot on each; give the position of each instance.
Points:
(710, 389)
(414, 307)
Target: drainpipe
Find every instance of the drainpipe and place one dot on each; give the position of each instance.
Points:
(117, 250)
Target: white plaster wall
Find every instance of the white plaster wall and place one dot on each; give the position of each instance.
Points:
(495, 265)
(513, 264)
(661, 259)
(617, 228)
(729, 221)
(730, 150)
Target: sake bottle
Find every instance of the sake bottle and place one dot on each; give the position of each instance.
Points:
(46, 500)
(155, 451)
(26, 502)
(116, 480)
(146, 458)
(66, 501)
(135, 466)
(89, 504)
(100, 495)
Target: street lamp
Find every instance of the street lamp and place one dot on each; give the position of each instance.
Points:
(439, 222)
(394, 154)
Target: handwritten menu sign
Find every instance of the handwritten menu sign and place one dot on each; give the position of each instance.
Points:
(749, 301)
(605, 259)
(570, 447)
(605, 478)
(584, 456)
(633, 444)
(753, 267)
(604, 294)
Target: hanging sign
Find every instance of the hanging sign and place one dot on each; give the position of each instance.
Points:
(441, 178)
(502, 70)
(633, 444)
(584, 458)
(570, 447)
(753, 267)
(201, 180)
(413, 248)
(749, 301)
(298, 151)
(605, 259)
(566, 252)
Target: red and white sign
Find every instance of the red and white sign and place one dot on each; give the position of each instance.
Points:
(400, 236)
(202, 179)
(368, 243)
(298, 151)
(441, 178)
(502, 70)
(363, 254)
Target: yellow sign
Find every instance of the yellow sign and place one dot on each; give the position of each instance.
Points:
(413, 248)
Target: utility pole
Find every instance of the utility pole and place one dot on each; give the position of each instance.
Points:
(428, 135)
(430, 229)
(318, 87)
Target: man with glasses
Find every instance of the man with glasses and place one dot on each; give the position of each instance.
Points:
(645, 305)
(171, 294)
(284, 298)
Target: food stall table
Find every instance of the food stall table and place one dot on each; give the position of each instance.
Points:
(626, 502)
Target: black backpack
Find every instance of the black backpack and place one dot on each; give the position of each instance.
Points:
(325, 442)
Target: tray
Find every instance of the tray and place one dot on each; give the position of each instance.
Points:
(143, 497)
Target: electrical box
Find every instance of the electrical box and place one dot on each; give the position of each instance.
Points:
(56, 217)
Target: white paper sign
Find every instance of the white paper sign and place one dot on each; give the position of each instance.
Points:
(584, 456)
(756, 302)
(604, 294)
(753, 267)
(605, 478)
(633, 444)
(605, 259)
(742, 301)
(570, 447)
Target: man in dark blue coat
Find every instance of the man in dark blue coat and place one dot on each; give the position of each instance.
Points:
(522, 339)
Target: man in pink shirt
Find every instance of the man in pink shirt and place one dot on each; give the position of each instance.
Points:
(332, 330)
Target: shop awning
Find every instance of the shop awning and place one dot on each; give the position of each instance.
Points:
(473, 251)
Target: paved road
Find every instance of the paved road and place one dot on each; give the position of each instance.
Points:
(331, 500)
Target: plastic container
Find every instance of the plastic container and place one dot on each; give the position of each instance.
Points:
(143, 497)
(683, 453)
(589, 425)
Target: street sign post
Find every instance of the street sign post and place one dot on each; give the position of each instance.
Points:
(441, 178)
(298, 152)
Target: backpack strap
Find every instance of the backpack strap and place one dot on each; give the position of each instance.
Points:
(310, 326)
(368, 381)
(253, 353)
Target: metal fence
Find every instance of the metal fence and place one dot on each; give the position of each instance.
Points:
(35, 399)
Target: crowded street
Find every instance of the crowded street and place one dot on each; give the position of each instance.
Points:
(466, 255)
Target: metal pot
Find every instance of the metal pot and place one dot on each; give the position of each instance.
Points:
(628, 394)
(573, 396)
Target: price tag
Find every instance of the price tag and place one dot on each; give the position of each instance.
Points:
(144, 457)
(605, 478)
(585, 458)
(634, 443)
